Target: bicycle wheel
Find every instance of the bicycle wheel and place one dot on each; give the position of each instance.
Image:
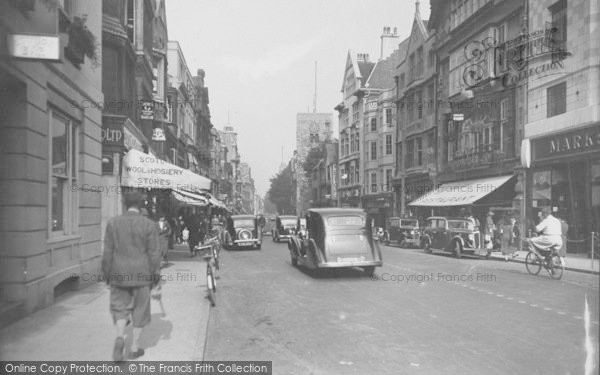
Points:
(215, 253)
(533, 263)
(555, 267)
(211, 286)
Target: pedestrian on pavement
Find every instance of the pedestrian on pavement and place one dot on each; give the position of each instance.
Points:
(180, 228)
(131, 267)
(164, 233)
(173, 223)
(194, 232)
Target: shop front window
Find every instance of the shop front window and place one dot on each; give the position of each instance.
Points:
(595, 182)
(63, 157)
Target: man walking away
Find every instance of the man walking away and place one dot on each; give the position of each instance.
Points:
(131, 266)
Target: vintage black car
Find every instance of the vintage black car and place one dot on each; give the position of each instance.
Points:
(336, 238)
(402, 231)
(242, 232)
(456, 236)
(285, 227)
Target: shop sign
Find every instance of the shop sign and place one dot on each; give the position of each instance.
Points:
(35, 47)
(147, 110)
(334, 181)
(112, 134)
(526, 153)
(458, 117)
(573, 142)
(158, 134)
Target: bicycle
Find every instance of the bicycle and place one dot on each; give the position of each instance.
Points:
(552, 262)
(209, 251)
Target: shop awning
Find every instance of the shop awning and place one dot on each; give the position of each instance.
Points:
(146, 171)
(460, 193)
(190, 199)
(215, 202)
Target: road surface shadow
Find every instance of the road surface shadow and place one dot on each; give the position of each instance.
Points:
(333, 273)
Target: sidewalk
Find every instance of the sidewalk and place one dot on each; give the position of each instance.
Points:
(573, 262)
(78, 326)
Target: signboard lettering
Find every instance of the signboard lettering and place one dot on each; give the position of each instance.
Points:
(42, 47)
(572, 142)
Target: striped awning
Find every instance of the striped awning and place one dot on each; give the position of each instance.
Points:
(191, 199)
(460, 193)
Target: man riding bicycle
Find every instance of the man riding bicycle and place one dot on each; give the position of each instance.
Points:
(550, 233)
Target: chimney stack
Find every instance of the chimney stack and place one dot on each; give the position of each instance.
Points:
(389, 41)
(362, 57)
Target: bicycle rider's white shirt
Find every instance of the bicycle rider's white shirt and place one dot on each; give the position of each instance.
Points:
(551, 233)
(550, 226)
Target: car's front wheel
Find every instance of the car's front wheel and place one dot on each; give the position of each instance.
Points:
(293, 259)
(369, 271)
(457, 250)
(426, 246)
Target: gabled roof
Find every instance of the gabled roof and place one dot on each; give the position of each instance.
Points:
(362, 69)
(419, 24)
(382, 75)
(365, 67)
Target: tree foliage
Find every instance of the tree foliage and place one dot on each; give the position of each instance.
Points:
(312, 158)
(282, 192)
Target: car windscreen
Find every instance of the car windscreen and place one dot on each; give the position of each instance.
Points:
(409, 223)
(394, 223)
(288, 222)
(345, 221)
(456, 224)
(243, 222)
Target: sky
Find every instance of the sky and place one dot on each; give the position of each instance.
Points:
(259, 58)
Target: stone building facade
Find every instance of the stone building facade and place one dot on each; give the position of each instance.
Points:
(50, 151)
(561, 152)
(351, 122)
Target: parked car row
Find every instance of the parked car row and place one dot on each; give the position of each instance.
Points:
(452, 235)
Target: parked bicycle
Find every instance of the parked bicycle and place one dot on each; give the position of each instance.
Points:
(210, 256)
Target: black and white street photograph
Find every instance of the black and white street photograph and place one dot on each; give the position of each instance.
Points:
(300, 187)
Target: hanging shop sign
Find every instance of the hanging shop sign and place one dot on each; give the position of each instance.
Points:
(158, 135)
(147, 110)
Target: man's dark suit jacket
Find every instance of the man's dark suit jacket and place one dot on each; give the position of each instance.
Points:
(131, 251)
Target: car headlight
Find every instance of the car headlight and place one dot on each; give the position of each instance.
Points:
(471, 237)
(245, 235)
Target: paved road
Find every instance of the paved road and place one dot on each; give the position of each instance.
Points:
(420, 314)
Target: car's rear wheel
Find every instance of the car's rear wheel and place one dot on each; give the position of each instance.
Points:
(258, 247)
